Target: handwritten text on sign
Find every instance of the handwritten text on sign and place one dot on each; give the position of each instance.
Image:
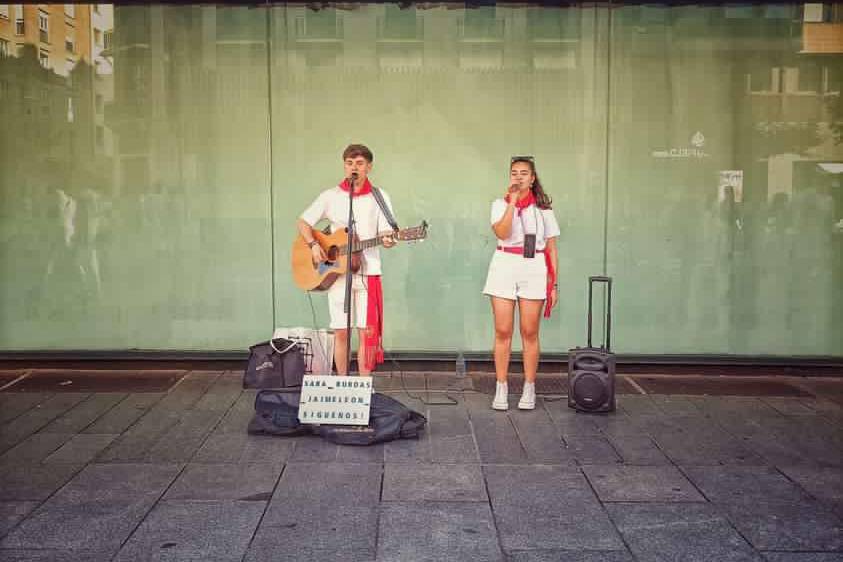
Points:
(332, 399)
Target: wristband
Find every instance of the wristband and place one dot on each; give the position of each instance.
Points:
(311, 243)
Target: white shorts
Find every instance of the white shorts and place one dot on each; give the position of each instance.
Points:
(512, 276)
(359, 303)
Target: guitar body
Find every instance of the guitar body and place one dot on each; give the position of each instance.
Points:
(320, 277)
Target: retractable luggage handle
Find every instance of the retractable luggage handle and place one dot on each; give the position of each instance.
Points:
(608, 281)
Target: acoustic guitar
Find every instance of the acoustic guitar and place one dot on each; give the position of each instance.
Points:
(320, 276)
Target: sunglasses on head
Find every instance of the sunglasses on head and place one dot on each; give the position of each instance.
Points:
(521, 158)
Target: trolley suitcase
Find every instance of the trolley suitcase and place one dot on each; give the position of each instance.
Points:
(591, 370)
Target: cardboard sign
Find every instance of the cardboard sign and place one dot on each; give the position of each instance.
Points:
(331, 399)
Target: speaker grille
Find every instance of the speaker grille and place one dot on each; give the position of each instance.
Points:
(589, 391)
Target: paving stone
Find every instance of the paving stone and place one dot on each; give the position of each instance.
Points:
(579, 526)
(314, 449)
(549, 486)
(224, 392)
(236, 419)
(461, 449)
(244, 448)
(326, 484)
(300, 531)
(619, 424)
(547, 507)
(736, 484)
(83, 414)
(448, 421)
(780, 526)
(726, 407)
(572, 422)
(777, 450)
(569, 556)
(248, 482)
(36, 483)
(135, 443)
(834, 506)
(443, 381)
(821, 482)
(215, 531)
(96, 511)
(406, 381)
(791, 406)
(624, 483)
(37, 417)
(452, 483)
(674, 405)
(802, 556)
(497, 441)
(638, 450)
(591, 449)
(182, 440)
(182, 397)
(373, 454)
(540, 438)
(408, 450)
(122, 416)
(80, 525)
(458, 531)
(35, 448)
(705, 447)
(638, 405)
(14, 404)
(686, 532)
(12, 513)
(106, 482)
(80, 449)
(53, 555)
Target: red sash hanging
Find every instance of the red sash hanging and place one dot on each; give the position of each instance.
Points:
(373, 338)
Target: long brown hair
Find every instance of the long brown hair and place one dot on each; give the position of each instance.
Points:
(543, 200)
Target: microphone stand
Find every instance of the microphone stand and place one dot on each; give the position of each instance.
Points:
(352, 180)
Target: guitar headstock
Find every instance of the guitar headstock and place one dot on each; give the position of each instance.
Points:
(415, 233)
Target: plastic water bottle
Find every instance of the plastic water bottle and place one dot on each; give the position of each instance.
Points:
(460, 365)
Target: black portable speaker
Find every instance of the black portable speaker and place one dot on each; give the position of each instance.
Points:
(591, 370)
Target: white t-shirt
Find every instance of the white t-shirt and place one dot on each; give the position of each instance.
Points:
(332, 204)
(533, 220)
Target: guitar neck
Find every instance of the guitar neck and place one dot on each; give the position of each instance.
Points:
(362, 245)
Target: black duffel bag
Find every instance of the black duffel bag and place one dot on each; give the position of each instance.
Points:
(276, 413)
(277, 363)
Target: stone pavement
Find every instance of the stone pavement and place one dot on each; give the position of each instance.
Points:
(160, 468)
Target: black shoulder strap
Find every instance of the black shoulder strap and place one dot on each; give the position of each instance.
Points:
(382, 204)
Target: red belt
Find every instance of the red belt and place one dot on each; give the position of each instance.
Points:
(516, 249)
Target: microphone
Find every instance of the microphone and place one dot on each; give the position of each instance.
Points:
(353, 177)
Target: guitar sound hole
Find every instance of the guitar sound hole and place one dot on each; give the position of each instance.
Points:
(332, 253)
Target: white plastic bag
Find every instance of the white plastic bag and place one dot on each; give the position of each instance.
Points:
(317, 347)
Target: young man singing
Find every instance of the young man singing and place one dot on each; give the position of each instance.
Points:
(366, 294)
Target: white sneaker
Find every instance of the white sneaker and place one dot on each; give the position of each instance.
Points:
(528, 397)
(501, 397)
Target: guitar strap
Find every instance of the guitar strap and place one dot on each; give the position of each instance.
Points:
(384, 209)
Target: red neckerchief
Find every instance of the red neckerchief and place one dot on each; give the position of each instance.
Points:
(524, 202)
(373, 336)
(367, 187)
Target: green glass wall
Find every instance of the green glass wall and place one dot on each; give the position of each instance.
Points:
(693, 153)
